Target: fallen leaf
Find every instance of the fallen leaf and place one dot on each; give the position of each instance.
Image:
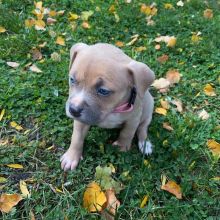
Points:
(85, 25)
(217, 178)
(73, 16)
(169, 40)
(58, 190)
(161, 111)
(119, 43)
(2, 29)
(94, 199)
(165, 104)
(148, 9)
(209, 90)
(196, 38)
(42, 45)
(36, 54)
(13, 124)
(112, 205)
(13, 64)
(172, 187)
(3, 179)
(134, 39)
(8, 201)
(173, 76)
(38, 5)
(144, 201)
(35, 69)
(61, 12)
(157, 47)
(85, 15)
(178, 104)
(204, 115)
(2, 114)
(214, 146)
(163, 58)
(60, 41)
(112, 9)
(29, 22)
(161, 83)
(168, 6)
(51, 21)
(167, 126)
(32, 217)
(15, 166)
(117, 18)
(140, 49)
(52, 13)
(40, 25)
(208, 13)
(180, 3)
(24, 189)
(55, 57)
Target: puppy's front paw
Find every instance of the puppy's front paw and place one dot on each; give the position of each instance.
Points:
(69, 161)
(122, 146)
(145, 147)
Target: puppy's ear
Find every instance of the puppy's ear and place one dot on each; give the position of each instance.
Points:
(74, 50)
(142, 76)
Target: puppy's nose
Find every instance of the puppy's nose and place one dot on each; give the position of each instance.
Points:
(75, 110)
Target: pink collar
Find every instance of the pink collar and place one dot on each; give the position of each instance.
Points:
(124, 108)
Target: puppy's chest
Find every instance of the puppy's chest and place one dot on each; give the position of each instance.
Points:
(112, 121)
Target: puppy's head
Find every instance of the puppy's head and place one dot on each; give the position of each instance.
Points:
(98, 84)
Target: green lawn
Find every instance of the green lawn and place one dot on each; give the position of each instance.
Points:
(36, 101)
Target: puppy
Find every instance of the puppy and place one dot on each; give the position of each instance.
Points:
(108, 89)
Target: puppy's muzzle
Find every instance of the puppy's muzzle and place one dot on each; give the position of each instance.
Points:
(75, 111)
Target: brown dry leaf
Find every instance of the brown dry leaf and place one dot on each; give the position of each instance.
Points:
(161, 83)
(112, 205)
(32, 217)
(2, 29)
(148, 9)
(214, 146)
(13, 64)
(24, 189)
(173, 76)
(119, 43)
(164, 104)
(204, 115)
(85, 25)
(60, 41)
(15, 166)
(51, 21)
(167, 126)
(209, 90)
(8, 201)
(208, 13)
(36, 54)
(161, 111)
(35, 69)
(13, 124)
(163, 58)
(94, 199)
(144, 201)
(40, 25)
(140, 49)
(172, 187)
(178, 104)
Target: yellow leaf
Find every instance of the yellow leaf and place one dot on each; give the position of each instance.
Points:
(112, 205)
(94, 199)
(164, 104)
(140, 49)
(73, 16)
(167, 126)
(119, 44)
(86, 14)
(3, 179)
(168, 6)
(61, 12)
(171, 42)
(52, 13)
(214, 146)
(112, 167)
(195, 38)
(112, 9)
(15, 165)
(24, 189)
(208, 13)
(58, 190)
(13, 124)
(209, 90)
(2, 29)
(40, 25)
(60, 41)
(173, 76)
(161, 111)
(85, 25)
(172, 187)
(2, 114)
(8, 201)
(29, 22)
(217, 178)
(144, 201)
(38, 5)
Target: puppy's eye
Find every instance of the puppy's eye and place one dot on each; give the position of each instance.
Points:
(103, 92)
(73, 80)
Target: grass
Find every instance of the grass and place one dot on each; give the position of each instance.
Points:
(36, 101)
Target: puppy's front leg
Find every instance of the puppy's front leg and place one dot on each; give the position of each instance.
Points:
(71, 158)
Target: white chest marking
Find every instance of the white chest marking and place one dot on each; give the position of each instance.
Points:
(113, 120)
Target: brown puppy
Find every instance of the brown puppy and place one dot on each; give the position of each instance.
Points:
(103, 82)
